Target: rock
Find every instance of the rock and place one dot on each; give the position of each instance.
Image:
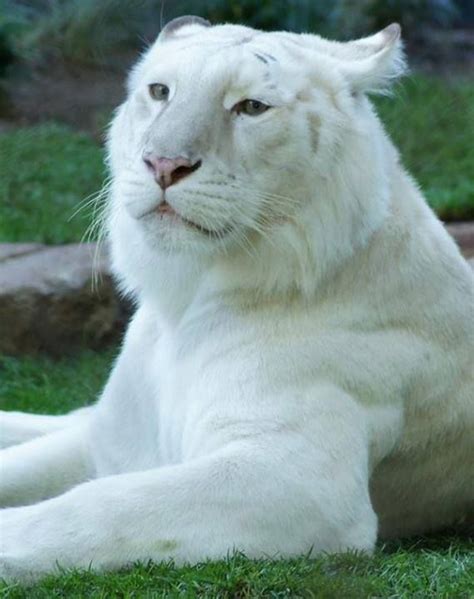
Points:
(56, 299)
(463, 233)
(11, 250)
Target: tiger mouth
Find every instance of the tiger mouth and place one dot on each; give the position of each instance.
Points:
(203, 230)
(165, 208)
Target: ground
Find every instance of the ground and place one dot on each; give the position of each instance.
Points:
(46, 173)
(440, 567)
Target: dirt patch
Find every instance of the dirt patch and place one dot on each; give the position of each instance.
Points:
(79, 96)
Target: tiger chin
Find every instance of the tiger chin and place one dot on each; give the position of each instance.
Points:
(297, 376)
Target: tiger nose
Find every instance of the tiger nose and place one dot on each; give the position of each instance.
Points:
(168, 171)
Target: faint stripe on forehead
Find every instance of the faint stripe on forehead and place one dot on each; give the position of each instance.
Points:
(293, 47)
(260, 57)
(265, 57)
(244, 40)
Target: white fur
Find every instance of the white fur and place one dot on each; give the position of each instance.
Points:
(296, 382)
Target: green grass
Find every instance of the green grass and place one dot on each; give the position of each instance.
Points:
(41, 384)
(432, 123)
(46, 171)
(402, 572)
(439, 567)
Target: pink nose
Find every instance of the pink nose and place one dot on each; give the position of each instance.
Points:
(167, 171)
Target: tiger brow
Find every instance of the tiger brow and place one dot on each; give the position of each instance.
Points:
(264, 57)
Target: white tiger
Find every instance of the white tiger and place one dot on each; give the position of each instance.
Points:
(297, 376)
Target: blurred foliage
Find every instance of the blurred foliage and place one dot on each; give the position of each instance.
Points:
(92, 31)
(295, 15)
(14, 21)
(412, 14)
(84, 31)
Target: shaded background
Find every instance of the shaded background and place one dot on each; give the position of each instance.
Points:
(65, 59)
(63, 64)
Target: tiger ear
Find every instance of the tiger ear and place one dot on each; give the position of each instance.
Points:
(375, 61)
(182, 26)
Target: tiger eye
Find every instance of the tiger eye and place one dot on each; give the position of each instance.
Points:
(250, 107)
(159, 91)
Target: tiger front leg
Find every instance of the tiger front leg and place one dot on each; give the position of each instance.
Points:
(281, 493)
(20, 427)
(45, 467)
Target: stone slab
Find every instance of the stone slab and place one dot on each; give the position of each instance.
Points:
(52, 269)
(56, 299)
(463, 233)
(12, 250)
